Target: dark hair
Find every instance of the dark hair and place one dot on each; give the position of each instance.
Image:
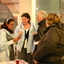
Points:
(27, 16)
(4, 25)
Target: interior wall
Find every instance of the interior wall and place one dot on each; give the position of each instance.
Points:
(24, 6)
(51, 6)
(48, 5)
(12, 4)
(18, 7)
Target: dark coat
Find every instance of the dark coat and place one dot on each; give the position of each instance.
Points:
(40, 30)
(51, 46)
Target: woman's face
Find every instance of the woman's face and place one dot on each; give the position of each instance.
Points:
(10, 25)
(25, 20)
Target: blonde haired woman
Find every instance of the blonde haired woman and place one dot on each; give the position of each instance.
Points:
(51, 46)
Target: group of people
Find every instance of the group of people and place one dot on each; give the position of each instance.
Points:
(49, 37)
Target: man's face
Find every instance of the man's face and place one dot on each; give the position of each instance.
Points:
(39, 17)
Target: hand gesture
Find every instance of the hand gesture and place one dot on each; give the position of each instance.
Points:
(16, 39)
(34, 33)
(36, 62)
(20, 33)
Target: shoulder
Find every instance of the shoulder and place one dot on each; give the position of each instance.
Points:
(32, 24)
(2, 31)
(53, 30)
(18, 27)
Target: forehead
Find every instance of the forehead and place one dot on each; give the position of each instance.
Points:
(39, 14)
(11, 22)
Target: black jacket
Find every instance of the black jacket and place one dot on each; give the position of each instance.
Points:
(51, 46)
(40, 30)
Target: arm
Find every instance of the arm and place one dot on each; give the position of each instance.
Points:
(4, 43)
(36, 37)
(3, 40)
(18, 31)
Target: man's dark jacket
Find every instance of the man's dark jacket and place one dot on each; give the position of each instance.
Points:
(40, 30)
(51, 46)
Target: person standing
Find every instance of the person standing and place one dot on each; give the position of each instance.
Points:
(7, 40)
(41, 18)
(25, 44)
(51, 47)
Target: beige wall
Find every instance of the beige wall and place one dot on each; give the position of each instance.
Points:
(17, 7)
(27, 6)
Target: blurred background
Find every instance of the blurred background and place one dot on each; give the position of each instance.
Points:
(14, 8)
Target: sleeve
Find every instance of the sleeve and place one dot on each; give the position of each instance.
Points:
(33, 30)
(48, 44)
(36, 36)
(33, 48)
(3, 41)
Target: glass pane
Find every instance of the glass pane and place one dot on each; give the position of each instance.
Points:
(48, 5)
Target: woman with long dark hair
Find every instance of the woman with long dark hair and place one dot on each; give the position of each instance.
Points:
(7, 39)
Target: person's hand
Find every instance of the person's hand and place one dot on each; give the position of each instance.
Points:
(32, 53)
(16, 39)
(36, 62)
(20, 33)
(34, 33)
